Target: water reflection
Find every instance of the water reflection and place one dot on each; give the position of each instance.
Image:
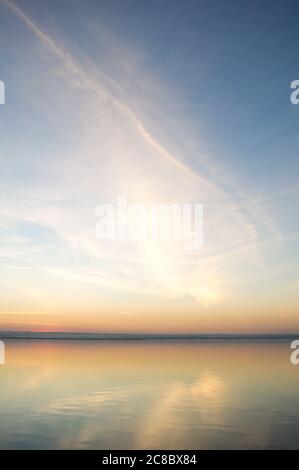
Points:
(81, 394)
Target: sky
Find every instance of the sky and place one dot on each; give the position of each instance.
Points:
(161, 102)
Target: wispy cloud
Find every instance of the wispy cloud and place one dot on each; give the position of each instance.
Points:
(105, 148)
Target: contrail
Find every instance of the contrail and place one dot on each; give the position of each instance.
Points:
(95, 86)
(75, 69)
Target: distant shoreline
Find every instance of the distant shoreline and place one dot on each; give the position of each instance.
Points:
(142, 337)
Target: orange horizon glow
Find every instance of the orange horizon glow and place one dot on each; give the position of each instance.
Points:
(168, 322)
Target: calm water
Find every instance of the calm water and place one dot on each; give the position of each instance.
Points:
(130, 395)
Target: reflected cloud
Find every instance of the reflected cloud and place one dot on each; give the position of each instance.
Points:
(166, 424)
(109, 395)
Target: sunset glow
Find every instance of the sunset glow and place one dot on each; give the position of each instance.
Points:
(87, 120)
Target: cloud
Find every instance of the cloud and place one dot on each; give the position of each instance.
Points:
(105, 151)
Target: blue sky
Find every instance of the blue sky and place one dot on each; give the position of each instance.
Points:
(160, 101)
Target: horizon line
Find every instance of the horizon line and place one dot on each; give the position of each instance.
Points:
(67, 335)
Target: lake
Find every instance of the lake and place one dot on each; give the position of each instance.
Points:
(148, 395)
